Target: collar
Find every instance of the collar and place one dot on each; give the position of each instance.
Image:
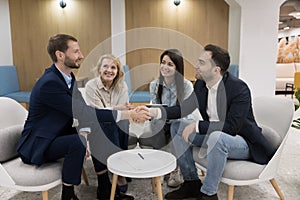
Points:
(67, 78)
(215, 86)
(165, 85)
(100, 85)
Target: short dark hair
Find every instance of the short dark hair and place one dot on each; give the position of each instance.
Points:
(58, 42)
(219, 56)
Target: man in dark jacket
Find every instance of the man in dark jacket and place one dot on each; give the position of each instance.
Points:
(228, 129)
(55, 101)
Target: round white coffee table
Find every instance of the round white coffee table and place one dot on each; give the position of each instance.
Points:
(141, 163)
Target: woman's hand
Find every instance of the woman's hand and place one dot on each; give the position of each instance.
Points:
(88, 150)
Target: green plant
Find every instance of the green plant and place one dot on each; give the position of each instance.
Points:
(296, 122)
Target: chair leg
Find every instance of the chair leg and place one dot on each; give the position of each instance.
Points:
(230, 192)
(85, 178)
(275, 185)
(45, 195)
(202, 173)
(25, 105)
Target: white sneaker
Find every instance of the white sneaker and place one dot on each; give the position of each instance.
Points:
(175, 178)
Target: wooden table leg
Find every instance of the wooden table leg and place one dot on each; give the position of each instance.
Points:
(113, 186)
(153, 185)
(45, 195)
(159, 189)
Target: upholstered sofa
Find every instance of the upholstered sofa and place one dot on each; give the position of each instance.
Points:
(9, 84)
(285, 76)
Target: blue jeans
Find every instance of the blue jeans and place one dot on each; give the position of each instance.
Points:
(220, 147)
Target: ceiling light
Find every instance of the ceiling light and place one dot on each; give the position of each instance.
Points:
(62, 4)
(295, 14)
(176, 2)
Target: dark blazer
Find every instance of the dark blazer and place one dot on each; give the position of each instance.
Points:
(235, 112)
(51, 111)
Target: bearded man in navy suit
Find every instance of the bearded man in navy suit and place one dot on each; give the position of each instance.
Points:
(228, 129)
(55, 101)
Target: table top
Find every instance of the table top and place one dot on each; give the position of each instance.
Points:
(141, 163)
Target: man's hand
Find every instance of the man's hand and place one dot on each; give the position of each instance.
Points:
(154, 112)
(84, 134)
(188, 130)
(88, 151)
(139, 114)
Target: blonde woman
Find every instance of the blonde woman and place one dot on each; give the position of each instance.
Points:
(108, 90)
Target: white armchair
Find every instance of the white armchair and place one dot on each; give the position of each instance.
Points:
(13, 172)
(274, 115)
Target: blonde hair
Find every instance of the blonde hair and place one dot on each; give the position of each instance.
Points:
(119, 79)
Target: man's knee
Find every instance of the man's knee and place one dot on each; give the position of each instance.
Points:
(215, 138)
(178, 126)
(79, 144)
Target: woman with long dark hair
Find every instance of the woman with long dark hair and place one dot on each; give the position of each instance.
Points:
(171, 88)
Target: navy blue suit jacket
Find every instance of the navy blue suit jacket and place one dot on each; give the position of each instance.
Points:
(51, 111)
(235, 113)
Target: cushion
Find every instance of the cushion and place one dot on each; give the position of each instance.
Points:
(8, 80)
(19, 96)
(31, 175)
(234, 169)
(285, 70)
(139, 96)
(271, 136)
(297, 67)
(8, 140)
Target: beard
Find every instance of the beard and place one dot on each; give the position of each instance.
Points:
(198, 76)
(72, 64)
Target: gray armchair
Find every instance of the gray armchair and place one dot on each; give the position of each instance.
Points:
(274, 115)
(13, 172)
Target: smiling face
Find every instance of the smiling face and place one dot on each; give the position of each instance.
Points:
(167, 67)
(108, 71)
(72, 56)
(205, 68)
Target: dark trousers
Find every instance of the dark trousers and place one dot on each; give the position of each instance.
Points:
(107, 140)
(159, 137)
(72, 148)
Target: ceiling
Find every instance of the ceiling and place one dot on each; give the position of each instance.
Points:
(285, 19)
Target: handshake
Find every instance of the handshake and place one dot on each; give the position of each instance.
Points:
(140, 114)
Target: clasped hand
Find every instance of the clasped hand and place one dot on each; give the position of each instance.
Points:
(139, 114)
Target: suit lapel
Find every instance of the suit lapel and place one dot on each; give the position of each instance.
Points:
(222, 99)
(73, 82)
(60, 76)
(202, 97)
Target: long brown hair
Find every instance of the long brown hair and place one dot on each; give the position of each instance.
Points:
(176, 57)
